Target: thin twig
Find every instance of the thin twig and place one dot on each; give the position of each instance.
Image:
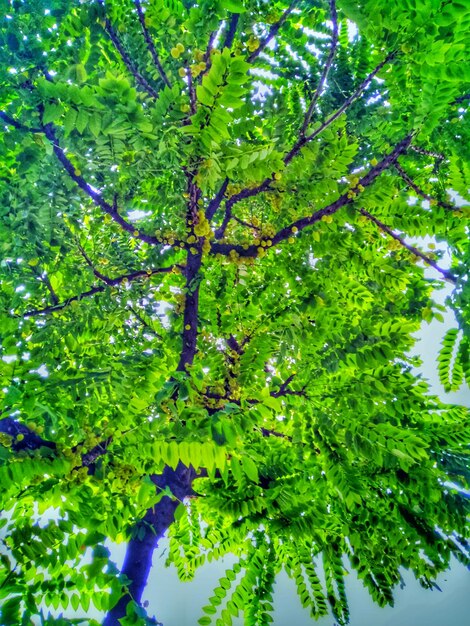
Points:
(92, 193)
(112, 282)
(128, 62)
(274, 29)
(386, 229)
(429, 153)
(89, 262)
(420, 192)
(326, 69)
(150, 44)
(346, 104)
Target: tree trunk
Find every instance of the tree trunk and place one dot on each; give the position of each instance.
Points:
(138, 559)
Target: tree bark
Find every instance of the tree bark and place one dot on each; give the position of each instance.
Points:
(157, 520)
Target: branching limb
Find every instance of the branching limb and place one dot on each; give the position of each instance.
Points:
(326, 69)
(386, 229)
(274, 29)
(346, 104)
(420, 192)
(110, 282)
(128, 62)
(150, 44)
(345, 199)
(89, 262)
(192, 91)
(92, 193)
(265, 185)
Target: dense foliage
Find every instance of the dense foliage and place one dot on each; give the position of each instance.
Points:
(212, 268)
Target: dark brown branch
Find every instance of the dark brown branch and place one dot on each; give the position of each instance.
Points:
(32, 441)
(89, 262)
(111, 282)
(346, 104)
(386, 229)
(420, 192)
(248, 192)
(192, 91)
(326, 69)
(233, 344)
(144, 323)
(140, 80)
(231, 31)
(45, 280)
(461, 98)
(300, 224)
(18, 125)
(150, 44)
(216, 201)
(95, 196)
(429, 153)
(157, 520)
(191, 311)
(265, 185)
(274, 29)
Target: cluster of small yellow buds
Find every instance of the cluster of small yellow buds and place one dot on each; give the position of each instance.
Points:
(233, 189)
(6, 440)
(327, 219)
(206, 247)
(197, 69)
(177, 51)
(351, 194)
(253, 43)
(233, 255)
(202, 228)
(180, 299)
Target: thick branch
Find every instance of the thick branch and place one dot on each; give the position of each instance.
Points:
(140, 80)
(326, 69)
(31, 441)
(157, 520)
(150, 44)
(191, 311)
(18, 125)
(231, 30)
(215, 202)
(110, 282)
(274, 29)
(92, 193)
(420, 192)
(386, 229)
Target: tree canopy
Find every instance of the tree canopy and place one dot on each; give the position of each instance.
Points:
(215, 222)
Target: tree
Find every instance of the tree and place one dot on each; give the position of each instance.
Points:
(212, 269)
